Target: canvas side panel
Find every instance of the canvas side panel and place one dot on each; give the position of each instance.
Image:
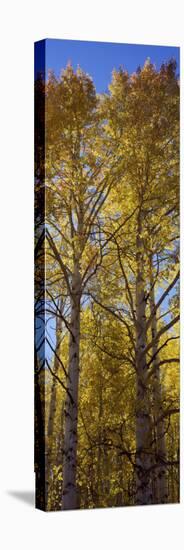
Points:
(39, 277)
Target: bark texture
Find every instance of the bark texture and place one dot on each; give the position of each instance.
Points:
(143, 420)
(70, 493)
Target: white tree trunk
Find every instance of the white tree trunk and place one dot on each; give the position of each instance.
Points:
(70, 495)
(143, 420)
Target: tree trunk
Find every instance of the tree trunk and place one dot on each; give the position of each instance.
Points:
(143, 421)
(161, 484)
(70, 494)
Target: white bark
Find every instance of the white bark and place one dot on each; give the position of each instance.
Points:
(70, 495)
(143, 421)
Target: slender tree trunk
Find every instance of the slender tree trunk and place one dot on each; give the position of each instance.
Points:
(160, 475)
(143, 420)
(70, 495)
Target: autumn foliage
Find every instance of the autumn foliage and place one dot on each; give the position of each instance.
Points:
(106, 293)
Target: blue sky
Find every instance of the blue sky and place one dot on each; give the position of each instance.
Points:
(99, 58)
